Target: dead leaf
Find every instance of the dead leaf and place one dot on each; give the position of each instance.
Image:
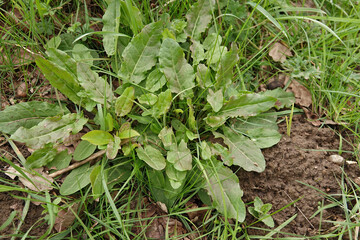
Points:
(21, 90)
(195, 216)
(278, 52)
(302, 95)
(65, 218)
(40, 183)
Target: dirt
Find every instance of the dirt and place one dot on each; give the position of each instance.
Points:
(301, 158)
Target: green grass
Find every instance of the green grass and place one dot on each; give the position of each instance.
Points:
(325, 44)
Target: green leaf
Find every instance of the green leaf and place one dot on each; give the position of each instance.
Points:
(81, 53)
(163, 104)
(179, 74)
(131, 16)
(284, 99)
(224, 189)
(111, 21)
(77, 179)
(50, 130)
(191, 121)
(27, 115)
(264, 137)
(197, 52)
(175, 176)
(148, 99)
(61, 161)
(198, 18)
(247, 105)
(155, 80)
(225, 73)
(63, 60)
(205, 150)
(113, 148)
(83, 150)
(125, 102)
(96, 182)
(216, 99)
(203, 76)
(141, 53)
(128, 133)
(215, 121)
(167, 137)
(180, 156)
(98, 137)
(243, 151)
(152, 157)
(96, 88)
(215, 51)
(61, 79)
(41, 157)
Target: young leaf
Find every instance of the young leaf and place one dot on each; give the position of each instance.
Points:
(198, 18)
(224, 189)
(76, 180)
(155, 80)
(83, 150)
(98, 137)
(243, 151)
(216, 99)
(163, 104)
(125, 102)
(50, 130)
(96, 88)
(180, 156)
(178, 72)
(61, 79)
(152, 157)
(111, 21)
(128, 133)
(27, 115)
(247, 105)
(225, 73)
(41, 157)
(140, 55)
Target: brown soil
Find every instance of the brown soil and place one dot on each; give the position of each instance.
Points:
(303, 157)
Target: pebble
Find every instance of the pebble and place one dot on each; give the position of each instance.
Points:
(337, 159)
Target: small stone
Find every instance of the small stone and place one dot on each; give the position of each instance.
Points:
(337, 159)
(357, 180)
(21, 90)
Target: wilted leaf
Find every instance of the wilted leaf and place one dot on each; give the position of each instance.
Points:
(302, 94)
(41, 157)
(179, 74)
(83, 150)
(216, 99)
(50, 130)
(98, 137)
(76, 180)
(180, 156)
(27, 115)
(279, 52)
(243, 151)
(155, 80)
(198, 18)
(247, 105)
(125, 102)
(65, 217)
(113, 148)
(152, 157)
(96, 88)
(140, 55)
(111, 21)
(224, 189)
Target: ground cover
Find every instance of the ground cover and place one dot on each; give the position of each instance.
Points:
(147, 119)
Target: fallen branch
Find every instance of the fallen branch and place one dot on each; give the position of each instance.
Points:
(77, 164)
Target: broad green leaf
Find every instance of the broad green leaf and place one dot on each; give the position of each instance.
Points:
(96, 88)
(152, 157)
(284, 99)
(216, 99)
(155, 80)
(167, 137)
(224, 190)
(111, 21)
(96, 182)
(175, 176)
(163, 104)
(63, 60)
(225, 73)
(98, 137)
(61, 161)
(128, 133)
(264, 137)
(203, 76)
(205, 150)
(223, 152)
(131, 16)
(117, 173)
(243, 151)
(83, 150)
(81, 53)
(113, 148)
(215, 121)
(125, 102)
(247, 105)
(198, 18)
(179, 74)
(197, 52)
(61, 79)
(41, 157)
(27, 115)
(148, 99)
(214, 49)
(180, 156)
(50, 130)
(259, 121)
(141, 53)
(77, 179)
